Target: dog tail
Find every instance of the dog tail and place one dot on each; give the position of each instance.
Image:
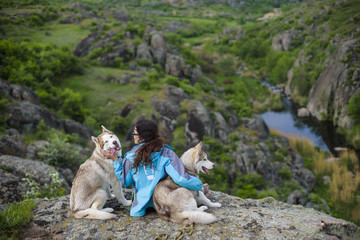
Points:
(198, 217)
(94, 214)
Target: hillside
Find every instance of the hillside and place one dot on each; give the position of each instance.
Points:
(194, 67)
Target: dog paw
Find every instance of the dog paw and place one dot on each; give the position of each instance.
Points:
(127, 203)
(202, 208)
(216, 205)
(107, 209)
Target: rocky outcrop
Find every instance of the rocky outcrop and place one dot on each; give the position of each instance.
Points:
(198, 123)
(282, 42)
(237, 218)
(84, 46)
(25, 116)
(14, 169)
(25, 113)
(333, 89)
(12, 145)
(70, 126)
(18, 93)
(257, 124)
(168, 110)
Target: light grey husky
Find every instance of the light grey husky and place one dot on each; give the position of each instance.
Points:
(180, 205)
(91, 186)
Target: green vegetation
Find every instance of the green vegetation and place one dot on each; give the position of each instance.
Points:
(341, 191)
(52, 190)
(15, 218)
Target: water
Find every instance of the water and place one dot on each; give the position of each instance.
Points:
(321, 134)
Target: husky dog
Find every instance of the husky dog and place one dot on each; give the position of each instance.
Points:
(91, 186)
(180, 205)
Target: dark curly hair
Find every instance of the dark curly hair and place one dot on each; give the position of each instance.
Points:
(149, 135)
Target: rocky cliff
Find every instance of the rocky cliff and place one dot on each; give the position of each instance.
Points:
(237, 219)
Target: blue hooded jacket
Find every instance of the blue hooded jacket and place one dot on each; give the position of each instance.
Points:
(165, 162)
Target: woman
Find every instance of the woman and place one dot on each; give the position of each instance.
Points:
(146, 164)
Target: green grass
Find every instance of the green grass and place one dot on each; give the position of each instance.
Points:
(105, 99)
(59, 34)
(15, 217)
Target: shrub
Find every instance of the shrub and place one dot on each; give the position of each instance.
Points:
(16, 217)
(143, 62)
(59, 152)
(71, 105)
(172, 81)
(285, 173)
(354, 107)
(256, 180)
(52, 190)
(145, 84)
(287, 188)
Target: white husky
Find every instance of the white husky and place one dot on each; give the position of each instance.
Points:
(91, 186)
(180, 205)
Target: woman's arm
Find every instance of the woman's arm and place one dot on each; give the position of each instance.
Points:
(175, 169)
(122, 171)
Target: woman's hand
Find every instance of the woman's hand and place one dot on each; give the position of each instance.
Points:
(106, 154)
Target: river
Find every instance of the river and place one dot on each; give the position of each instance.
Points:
(321, 134)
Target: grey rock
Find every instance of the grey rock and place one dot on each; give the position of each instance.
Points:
(237, 218)
(18, 168)
(143, 51)
(12, 146)
(326, 95)
(296, 198)
(303, 112)
(198, 123)
(33, 149)
(19, 93)
(84, 46)
(282, 42)
(175, 65)
(26, 116)
(71, 126)
(12, 187)
(258, 125)
(221, 128)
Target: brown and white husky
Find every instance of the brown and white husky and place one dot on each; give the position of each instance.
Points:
(91, 186)
(180, 205)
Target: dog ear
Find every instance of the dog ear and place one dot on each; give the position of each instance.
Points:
(95, 140)
(199, 145)
(104, 129)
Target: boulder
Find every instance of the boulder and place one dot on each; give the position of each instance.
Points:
(26, 116)
(71, 126)
(13, 169)
(143, 51)
(33, 149)
(326, 97)
(168, 110)
(12, 146)
(303, 112)
(296, 198)
(258, 125)
(198, 123)
(221, 128)
(282, 42)
(18, 93)
(84, 46)
(175, 65)
(237, 218)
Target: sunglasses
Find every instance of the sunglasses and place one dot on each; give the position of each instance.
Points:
(135, 134)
